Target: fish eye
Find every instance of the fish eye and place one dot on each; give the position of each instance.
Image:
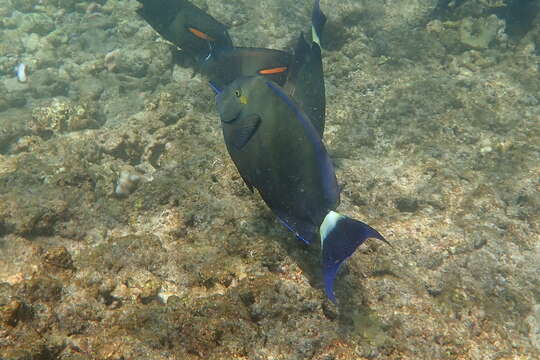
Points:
(237, 93)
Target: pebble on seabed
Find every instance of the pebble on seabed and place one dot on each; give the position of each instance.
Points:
(22, 72)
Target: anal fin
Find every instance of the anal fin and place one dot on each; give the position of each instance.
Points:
(302, 229)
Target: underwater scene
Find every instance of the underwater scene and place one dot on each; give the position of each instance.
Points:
(270, 179)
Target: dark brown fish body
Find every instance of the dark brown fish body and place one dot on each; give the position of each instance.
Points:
(278, 151)
(186, 26)
(237, 62)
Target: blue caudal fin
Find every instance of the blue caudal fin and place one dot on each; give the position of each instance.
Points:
(340, 236)
(318, 19)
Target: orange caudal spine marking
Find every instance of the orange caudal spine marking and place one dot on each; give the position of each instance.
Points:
(271, 71)
(200, 34)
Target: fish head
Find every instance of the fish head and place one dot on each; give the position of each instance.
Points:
(239, 98)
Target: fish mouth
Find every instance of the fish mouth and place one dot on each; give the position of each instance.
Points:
(231, 119)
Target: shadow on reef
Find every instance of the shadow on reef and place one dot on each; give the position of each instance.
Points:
(336, 35)
(400, 44)
(519, 15)
(352, 313)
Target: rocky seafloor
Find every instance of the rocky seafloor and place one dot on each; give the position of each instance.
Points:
(126, 232)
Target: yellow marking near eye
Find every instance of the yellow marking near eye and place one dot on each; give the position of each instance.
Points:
(243, 100)
(200, 34)
(271, 71)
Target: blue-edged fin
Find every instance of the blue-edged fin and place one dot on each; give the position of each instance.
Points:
(304, 230)
(318, 19)
(340, 237)
(328, 175)
(215, 87)
(311, 132)
(244, 129)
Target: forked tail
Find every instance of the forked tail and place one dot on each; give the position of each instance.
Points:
(340, 236)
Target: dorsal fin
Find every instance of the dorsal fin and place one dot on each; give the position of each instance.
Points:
(318, 19)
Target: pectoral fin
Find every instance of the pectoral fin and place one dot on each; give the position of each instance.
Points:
(242, 130)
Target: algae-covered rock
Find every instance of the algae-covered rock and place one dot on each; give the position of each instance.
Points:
(63, 115)
(58, 257)
(47, 83)
(21, 5)
(37, 23)
(469, 33)
(27, 216)
(120, 252)
(481, 32)
(41, 289)
(13, 95)
(12, 127)
(11, 310)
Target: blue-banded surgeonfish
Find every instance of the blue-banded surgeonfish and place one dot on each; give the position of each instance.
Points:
(186, 26)
(278, 151)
